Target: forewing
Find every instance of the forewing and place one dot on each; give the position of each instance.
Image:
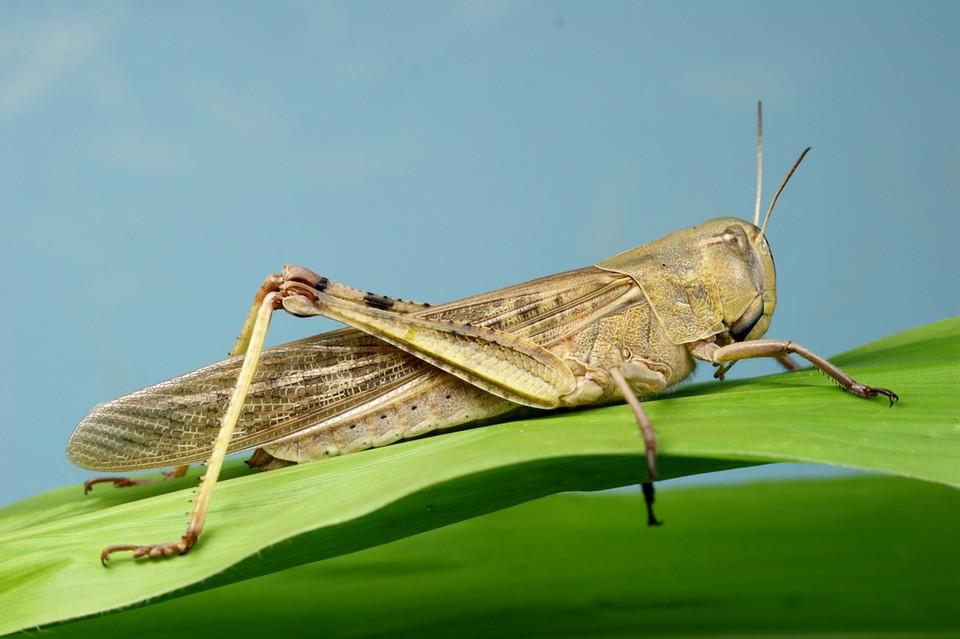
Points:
(306, 383)
(545, 310)
(296, 385)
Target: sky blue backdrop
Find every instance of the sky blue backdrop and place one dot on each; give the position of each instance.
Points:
(158, 159)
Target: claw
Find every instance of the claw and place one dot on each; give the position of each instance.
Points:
(893, 397)
(105, 553)
(869, 391)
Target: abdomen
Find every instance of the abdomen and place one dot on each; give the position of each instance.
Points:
(437, 403)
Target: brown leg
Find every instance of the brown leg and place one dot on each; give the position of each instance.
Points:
(786, 362)
(646, 428)
(722, 370)
(773, 348)
(649, 443)
(783, 358)
(123, 482)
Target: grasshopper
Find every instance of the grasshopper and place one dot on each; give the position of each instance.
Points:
(628, 327)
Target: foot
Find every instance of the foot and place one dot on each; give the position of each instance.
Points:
(123, 482)
(118, 482)
(152, 551)
(870, 391)
(648, 499)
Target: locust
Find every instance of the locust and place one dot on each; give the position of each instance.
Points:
(626, 328)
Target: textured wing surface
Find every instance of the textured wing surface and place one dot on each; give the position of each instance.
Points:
(296, 385)
(311, 381)
(545, 310)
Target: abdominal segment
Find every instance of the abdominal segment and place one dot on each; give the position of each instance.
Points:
(437, 403)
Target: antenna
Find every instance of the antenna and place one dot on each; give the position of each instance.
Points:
(776, 196)
(756, 205)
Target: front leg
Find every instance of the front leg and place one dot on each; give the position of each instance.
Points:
(711, 352)
(782, 358)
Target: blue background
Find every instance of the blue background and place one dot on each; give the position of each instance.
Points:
(158, 159)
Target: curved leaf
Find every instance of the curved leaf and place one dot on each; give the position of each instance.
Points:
(852, 557)
(261, 523)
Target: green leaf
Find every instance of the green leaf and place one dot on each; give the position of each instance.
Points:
(262, 523)
(864, 557)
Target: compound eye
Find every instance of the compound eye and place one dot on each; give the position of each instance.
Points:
(736, 240)
(742, 327)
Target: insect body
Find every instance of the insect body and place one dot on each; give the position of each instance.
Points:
(632, 325)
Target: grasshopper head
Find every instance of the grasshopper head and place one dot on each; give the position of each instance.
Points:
(740, 261)
(746, 275)
(714, 278)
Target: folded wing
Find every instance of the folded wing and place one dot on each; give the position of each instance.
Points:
(311, 381)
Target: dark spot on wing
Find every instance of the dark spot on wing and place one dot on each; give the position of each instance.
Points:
(378, 301)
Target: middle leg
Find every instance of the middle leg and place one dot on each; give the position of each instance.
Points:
(649, 443)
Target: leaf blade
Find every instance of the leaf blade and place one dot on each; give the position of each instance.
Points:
(262, 523)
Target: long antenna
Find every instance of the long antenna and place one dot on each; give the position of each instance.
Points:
(783, 185)
(756, 206)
